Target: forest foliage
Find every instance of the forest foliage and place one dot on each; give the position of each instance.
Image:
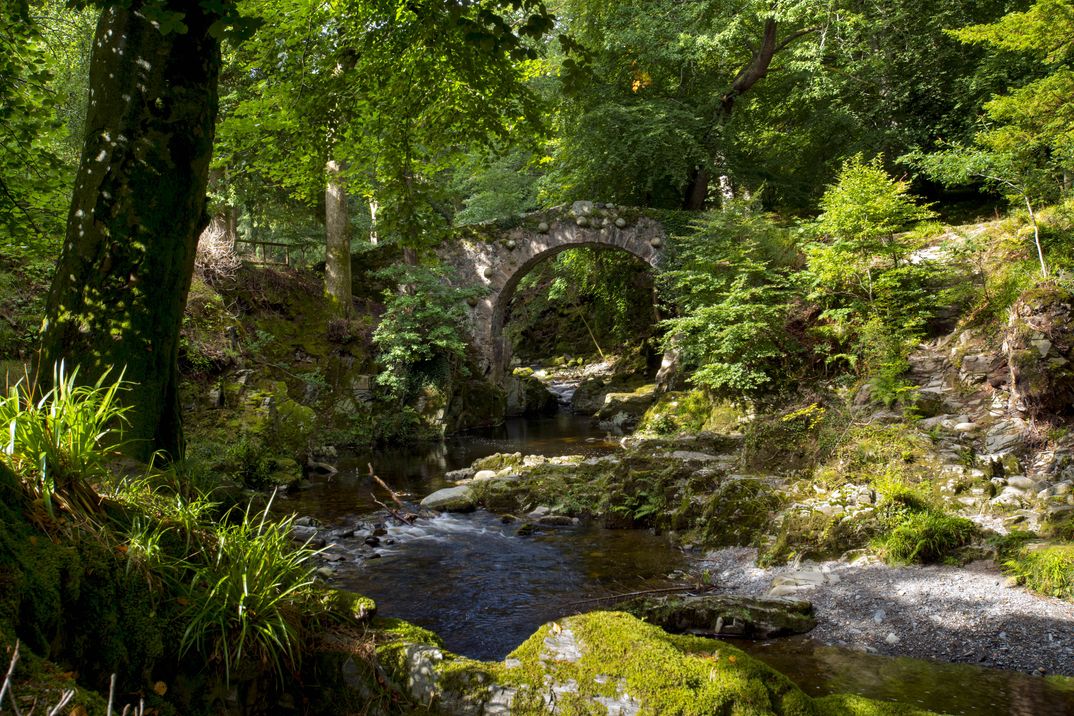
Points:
(766, 115)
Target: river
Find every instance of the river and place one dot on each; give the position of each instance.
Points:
(484, 589)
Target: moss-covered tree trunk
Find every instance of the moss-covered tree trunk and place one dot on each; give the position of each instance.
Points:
(136, 213)
(337, 272)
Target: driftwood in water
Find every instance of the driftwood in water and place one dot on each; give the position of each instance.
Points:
(403, 514)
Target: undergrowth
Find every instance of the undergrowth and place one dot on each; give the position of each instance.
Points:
(1045, 569)
(245, 592)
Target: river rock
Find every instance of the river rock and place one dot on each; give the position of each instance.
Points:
(307, 535)
(458, 475)
(557, 521)
(725, 615)
(451, 499)
(484, 474)
(589, 395)
(626, 409)
(526, 395)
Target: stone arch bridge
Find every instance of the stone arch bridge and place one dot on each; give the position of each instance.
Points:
(497, 259)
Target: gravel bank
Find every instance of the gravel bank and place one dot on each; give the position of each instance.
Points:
(951, 614)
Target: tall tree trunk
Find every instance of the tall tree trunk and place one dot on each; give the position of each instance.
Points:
(117, 299)
(758, 66)
(337, 271)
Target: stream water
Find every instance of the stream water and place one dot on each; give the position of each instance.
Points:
(484, 589)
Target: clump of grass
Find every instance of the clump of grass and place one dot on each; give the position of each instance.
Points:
(1044, 569)
(925, 536)
(62, 440)
(244, 599)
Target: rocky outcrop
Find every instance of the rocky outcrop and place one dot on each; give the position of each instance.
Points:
(527, 395)
(1039, 345)
(724, 615)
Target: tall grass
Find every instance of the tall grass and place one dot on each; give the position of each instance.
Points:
(1045, 569)
(245, 597)
(61, 440)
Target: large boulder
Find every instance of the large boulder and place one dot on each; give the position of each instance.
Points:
(451, 499)
(589, 396)
(600, 663)
(475, 403)
(625, 410)
(527, 395)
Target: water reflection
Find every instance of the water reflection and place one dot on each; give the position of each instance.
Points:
(946, 688)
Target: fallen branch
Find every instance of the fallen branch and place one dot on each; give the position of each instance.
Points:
(403, 514)
(390, 491)
(406, 519)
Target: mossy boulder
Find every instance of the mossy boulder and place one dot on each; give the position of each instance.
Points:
(347, 606)
(689, 412)
(602, 662)
(498, 461)
(626, 409)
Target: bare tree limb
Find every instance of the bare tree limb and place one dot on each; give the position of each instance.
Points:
(64, 700)
(6, 687)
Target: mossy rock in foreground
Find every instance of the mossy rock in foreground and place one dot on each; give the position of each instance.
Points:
(604, 662)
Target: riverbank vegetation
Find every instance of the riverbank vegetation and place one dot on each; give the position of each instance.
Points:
(230, 241)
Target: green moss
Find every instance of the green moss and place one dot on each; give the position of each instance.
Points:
(689, 413)
(38, 681)
(345, 606)
(399, 630)
(498, 461)
(735, 512)
(852, 705)
(392, 637)
(667, 674)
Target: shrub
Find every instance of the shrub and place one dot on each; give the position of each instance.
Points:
(727, 279)
(927, 536)
(420, 336)
(1047, 570)
(244, 598)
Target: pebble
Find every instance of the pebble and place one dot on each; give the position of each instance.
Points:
(922, 612)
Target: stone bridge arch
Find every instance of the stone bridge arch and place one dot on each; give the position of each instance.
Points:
(497, 259)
